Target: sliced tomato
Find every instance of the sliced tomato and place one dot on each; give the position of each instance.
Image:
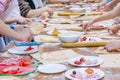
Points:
(77, 62)
(72, 75)
(89, 71)
(98, 27)
(84, 38)
(45, 25)
(29, 48)
(12, 72)
(24, 62)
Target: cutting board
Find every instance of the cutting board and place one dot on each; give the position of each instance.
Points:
(110, 60)
(101, 50)
(59, 56)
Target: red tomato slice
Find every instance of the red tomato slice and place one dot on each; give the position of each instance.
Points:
(72, 75)
(24, 62)
(77, 62)
(84, 38)
(98, 27)
(29, 48)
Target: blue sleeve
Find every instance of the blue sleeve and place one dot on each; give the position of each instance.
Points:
(108, 1)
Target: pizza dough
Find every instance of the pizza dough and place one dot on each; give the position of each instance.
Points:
(8, 78)
(55, 56)
(60, 21)
(36, 27)
(110, 60)
(72, 27)
(101, 50)
(46, 38)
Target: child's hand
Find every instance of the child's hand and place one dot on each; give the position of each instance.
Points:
(22, 20)
(49, 10)
(45, 14)
(87, 26)
(25, 33)
(113, 46)
(114, 29)
(19, 28)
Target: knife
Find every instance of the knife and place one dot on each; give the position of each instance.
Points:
(26, 43)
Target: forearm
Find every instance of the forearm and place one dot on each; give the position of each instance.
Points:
(33, 13)
(10, 20)
(114, 3)
(108, 15)
(5, 30)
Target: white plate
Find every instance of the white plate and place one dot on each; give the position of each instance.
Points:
(20, 50)
(93, 39)
(82, 70)
(51, 68)
(77, 9)
(92, 58)
(61, 31)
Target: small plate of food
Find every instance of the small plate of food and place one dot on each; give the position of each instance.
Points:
(84, 74)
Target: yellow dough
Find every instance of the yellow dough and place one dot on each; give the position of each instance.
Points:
(36, 27)
(55, 32)
(68, 13)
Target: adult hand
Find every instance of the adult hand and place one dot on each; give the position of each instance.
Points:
(113, 45)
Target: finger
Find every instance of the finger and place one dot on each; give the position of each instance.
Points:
(110, 32)
(110, 49)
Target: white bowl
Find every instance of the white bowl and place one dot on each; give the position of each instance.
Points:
(77, 9)
(69, 37)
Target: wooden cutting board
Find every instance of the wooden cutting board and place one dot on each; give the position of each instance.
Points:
(72, 27)
(101, 50)
(8, 78)
(46, 38)
(59, 56)
(110, 60)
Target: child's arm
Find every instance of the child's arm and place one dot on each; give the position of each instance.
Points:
(10, 20)
(39, 12)
(26, 10)
(22, 35)
(108, 15)
(109, 6)
(20, 20)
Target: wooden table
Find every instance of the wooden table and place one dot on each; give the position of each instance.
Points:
(110, 73)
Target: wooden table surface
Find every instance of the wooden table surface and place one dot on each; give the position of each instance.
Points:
(110, 73)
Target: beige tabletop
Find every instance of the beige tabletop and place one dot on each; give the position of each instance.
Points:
(110, 73)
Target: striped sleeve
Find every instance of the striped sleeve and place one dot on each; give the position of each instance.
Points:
(24, 7)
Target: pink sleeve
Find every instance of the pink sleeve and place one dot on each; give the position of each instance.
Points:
(2, 7)
(4, 4)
